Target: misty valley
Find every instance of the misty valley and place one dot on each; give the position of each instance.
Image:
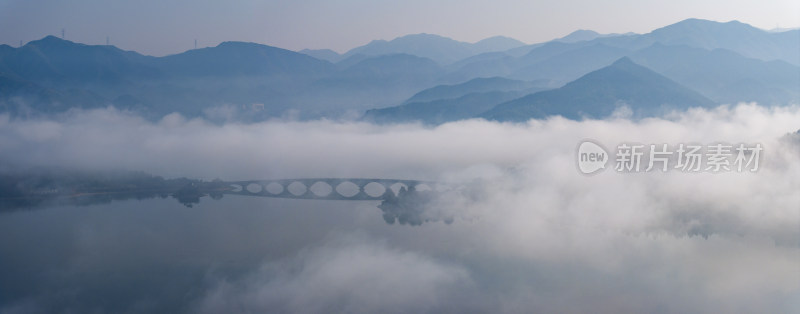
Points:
(420, 174)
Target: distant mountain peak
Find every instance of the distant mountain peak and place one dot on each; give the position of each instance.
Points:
(497, 43)
(599, 93)
(240, 44)
(50, 40)
(694, 24)
(698, 21)
(624, 61)
(695, 21)
(443, 50)
(421, 36)
(583, 32)
(499, 38)
(579, 35)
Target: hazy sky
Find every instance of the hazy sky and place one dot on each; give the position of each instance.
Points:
(165, 27)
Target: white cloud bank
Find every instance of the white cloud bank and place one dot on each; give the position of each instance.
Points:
(353, 275)
(535, 236)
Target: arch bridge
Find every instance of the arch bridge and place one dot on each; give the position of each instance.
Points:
(356, 189)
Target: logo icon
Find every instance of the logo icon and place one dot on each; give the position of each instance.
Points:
(591, 157)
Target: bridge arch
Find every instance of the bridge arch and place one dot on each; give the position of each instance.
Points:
(324, 188)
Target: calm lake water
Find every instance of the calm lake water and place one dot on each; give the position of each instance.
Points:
(253, 254)
(158, 255)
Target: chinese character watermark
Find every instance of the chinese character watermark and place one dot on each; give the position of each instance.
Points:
(662, 157)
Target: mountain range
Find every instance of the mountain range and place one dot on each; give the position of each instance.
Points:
(420, 77)
(623, 86)
(443, 50)
(445, 103)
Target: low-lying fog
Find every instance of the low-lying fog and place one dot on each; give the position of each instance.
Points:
(532, 234)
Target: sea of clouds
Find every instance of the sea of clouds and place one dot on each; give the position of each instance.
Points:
(532, 234)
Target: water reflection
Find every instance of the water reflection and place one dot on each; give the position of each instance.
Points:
(153, 254)
(406, 205)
